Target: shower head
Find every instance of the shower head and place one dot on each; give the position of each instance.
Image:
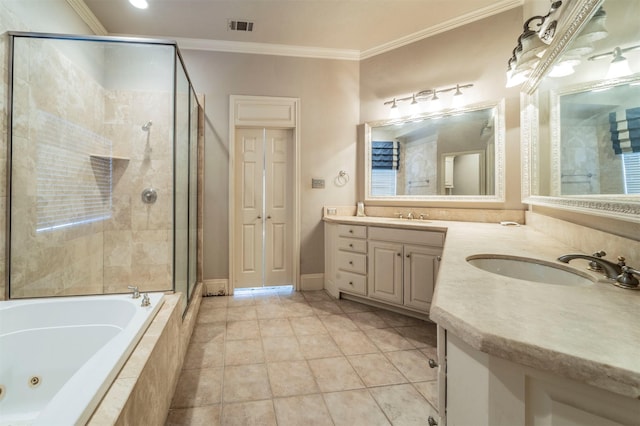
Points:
(147, 126)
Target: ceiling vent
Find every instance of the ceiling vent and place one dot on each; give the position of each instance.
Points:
(234, 25)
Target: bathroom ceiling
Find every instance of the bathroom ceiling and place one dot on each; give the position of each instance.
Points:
(350, 25)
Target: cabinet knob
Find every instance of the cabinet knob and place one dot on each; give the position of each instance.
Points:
(351, 245)
(350, 282)
(432, 421)
(408, 255)
(399, 255)
(351, 262)
(432, 363)
(351, 231)
(438, 258)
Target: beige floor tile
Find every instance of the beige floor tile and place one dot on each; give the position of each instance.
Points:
(241, 300)
(275, 327)
(204, 355)
(296, 309)
(403, 405)
(335, 374)
(325, 307)
(216, 314)
(271, 311)
(367, 320)
(308, 325)
(241, 352)
(266, 298)
(281, 349)
(209, 332)
(354, 343)
(318, 346)
(388, 339)
(196, 388)
(291, 378)
(241, 313)
(349, 306)
(376, 370)
(314, 296)
(216, 301)
(420, 336)
(254, 413)
(354, 408)
(429, 391)
(208, 415)
(242, 330)
(295, 296)
(413, 364)
(338, 323)
(307, 410)
(246, 383)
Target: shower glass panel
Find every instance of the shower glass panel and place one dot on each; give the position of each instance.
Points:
(193, 192)
(181, 174)
(98, 166)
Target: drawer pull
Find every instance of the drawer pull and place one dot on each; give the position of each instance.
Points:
(351, 245)
(351, 262)
(351, 231)
(432, 363)
(351, 283)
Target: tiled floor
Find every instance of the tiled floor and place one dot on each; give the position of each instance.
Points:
(284, 358)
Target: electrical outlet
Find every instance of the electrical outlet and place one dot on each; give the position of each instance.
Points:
(332, 211)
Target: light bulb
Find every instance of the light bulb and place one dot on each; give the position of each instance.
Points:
(140, 4)
(619, 65)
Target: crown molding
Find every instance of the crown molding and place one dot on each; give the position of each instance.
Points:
(311, 52)
(267, 49)
(494, 9)
(81, 8)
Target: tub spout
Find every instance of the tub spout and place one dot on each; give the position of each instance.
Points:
(136, 292)
(612, 270)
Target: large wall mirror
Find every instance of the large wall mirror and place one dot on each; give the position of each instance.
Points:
(581, 114)
(448, 156)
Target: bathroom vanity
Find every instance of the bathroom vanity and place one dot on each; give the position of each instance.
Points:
(510, 350)
(385, 262)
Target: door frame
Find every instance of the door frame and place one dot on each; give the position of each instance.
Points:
(265, 112)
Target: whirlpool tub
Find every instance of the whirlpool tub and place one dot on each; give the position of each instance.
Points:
(58, 356)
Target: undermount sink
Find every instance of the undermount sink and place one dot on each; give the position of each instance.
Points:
(529, 269)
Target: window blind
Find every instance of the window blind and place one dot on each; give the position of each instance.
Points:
(624, 126)
(631, 169)
(385, 155)
(73, 187)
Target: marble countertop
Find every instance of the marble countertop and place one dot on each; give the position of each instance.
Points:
(589, 334)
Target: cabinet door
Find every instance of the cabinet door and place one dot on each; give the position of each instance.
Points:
(385, 271)
(420, 270)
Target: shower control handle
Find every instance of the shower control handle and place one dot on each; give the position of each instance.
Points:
(149, 195)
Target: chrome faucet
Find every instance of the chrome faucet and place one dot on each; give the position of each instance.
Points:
(136, 292)
(611, 270)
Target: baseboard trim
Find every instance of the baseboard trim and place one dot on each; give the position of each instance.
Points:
(215, 287)
(310, 282)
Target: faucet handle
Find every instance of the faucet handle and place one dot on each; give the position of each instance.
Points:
(626, 279)
(145, 300)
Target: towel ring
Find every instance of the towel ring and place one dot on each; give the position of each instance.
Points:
(342, 179)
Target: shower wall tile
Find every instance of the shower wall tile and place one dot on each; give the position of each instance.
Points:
(118, 248)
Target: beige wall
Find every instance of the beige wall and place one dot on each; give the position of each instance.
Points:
(328, 92)
(476, 53)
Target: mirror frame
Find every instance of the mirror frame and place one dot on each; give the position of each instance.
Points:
(417, 200)
(616, 206)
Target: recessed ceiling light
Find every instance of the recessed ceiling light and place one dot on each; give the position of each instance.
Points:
(140, 4)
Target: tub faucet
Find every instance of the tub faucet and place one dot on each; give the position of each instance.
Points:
(611, 270)
(410, 215)
(136, 293)
(145, 300)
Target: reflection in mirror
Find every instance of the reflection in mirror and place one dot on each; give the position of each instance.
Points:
(598, 141)
(437, 156)
(579, 126)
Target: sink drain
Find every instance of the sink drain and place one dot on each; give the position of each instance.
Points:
(34, 381)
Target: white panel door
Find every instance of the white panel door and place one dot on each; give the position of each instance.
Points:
(278, 208)
(249, 207)
(263, 184)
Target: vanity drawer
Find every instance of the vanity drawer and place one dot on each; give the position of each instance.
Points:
(352, 262)
(352, 244)
(407, 236)
(355, 231)
(350, 282)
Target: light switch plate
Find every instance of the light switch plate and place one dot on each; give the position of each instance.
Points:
(317, 183)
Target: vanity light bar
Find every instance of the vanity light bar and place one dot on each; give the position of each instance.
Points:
(428, 94)
(618, 51)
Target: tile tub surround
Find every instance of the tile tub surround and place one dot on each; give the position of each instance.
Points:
(588, 334)
(294, 358)
(142, 392)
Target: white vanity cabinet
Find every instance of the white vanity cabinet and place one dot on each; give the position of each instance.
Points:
(403, 265)
(383, 264)
(482, 389)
